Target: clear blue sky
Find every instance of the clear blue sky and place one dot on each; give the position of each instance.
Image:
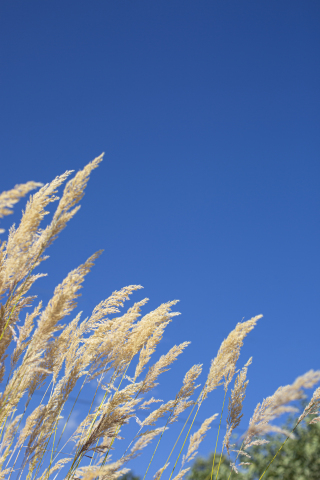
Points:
(208, 114)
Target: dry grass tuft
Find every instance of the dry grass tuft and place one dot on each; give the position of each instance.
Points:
(57, 355)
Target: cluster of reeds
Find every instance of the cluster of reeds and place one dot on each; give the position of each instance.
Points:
(104, 343)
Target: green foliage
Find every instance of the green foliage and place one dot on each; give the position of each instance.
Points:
(129, 476)
(202, 467)
(298, 459)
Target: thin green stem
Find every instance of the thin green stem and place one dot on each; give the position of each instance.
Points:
(215, 450)
(278, 451)
(118, 428)
(184, 428)
(219, 463)
(185, 440)
(65, 425)
(55, 431)
(112, 380)
(25, 409)
(79, 455)
(158, 443)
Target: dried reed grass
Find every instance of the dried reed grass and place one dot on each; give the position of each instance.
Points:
(102, 343)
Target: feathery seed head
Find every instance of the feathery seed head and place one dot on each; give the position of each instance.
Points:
(223, 366)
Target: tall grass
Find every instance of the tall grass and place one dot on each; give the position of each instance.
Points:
(102, 346)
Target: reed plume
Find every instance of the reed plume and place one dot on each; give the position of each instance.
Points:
(54, 352)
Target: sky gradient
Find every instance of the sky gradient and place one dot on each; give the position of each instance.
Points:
(208, 114)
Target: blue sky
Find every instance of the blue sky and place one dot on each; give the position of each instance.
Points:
(208, 114)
